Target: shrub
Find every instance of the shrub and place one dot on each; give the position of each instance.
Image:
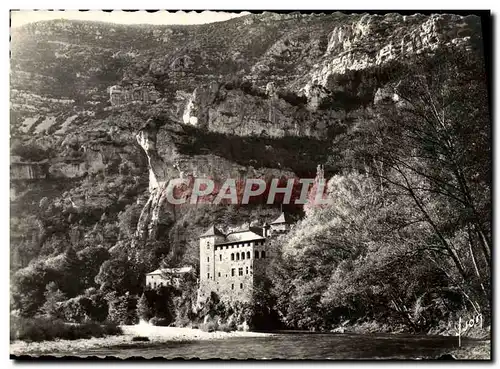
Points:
(161, 322)
(46, 329)
(122, 309)
(140, 339)
(227, 327)
(77, 309)
(210, 326)
(182, 321)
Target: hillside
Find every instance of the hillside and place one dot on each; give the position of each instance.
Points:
(264, 91)
(104, 115)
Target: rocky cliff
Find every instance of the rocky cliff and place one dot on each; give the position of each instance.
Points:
(263, 95)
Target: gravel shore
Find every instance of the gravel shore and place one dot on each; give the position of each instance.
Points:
(156, 335)
(480, 351)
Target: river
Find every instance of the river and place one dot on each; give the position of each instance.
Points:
(295, 346)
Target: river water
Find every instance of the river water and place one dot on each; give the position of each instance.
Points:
(295, 346)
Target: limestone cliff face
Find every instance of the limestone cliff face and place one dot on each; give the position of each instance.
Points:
(160, 173)
(296, 89)
(24, 170)
(375, 40)
(166, 164)
(236, 112)
(318, 70)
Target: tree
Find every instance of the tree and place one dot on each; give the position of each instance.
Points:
(53, 298)
(91, 259)
(433, 148)
(78, 309)
(143, 309)
(118, 275)
(122, 309)
(70, 269)
(28, 288)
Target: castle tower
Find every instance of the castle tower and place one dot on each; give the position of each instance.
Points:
(208, 240)
(280, 224)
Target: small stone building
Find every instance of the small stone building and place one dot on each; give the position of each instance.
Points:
(166, 277)
(231, 263)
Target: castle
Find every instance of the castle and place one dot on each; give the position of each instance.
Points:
(231, 264)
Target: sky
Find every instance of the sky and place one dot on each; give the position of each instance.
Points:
(21, 17)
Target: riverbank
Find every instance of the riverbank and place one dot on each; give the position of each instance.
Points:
(156, 335)
(479, 351)
(185, 342)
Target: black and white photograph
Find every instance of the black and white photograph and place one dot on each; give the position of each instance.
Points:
(273, 184)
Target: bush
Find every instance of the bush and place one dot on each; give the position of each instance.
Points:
(182, 321)
(210, 326)
(76, 310)
(227, 327)
(161, 322)
(122, 309)
(46, 329)
(140, 339)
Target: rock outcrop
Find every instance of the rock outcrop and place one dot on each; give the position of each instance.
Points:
(166, 163)
(260, 96)
(27, 170)
(119, 95)
(375, 40)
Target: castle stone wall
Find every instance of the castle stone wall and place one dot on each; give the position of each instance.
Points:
(231, 280)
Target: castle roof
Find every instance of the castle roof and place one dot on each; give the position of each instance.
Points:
(258, 230)
(212, 231)
(243, 236)
(182, 270)
(281, 219)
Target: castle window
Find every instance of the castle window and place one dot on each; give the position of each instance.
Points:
(243, 255)
(241, 285)
(232, 286)
(208, 275)
(208, 245)
(220, 257)
(237, 256)
(256, 254)
(232, 256)
(219, 276)
(208, 259)
(232, 272)
(240, 271)
(248, 255)
(263, 254)
(247, 270)
(154, 284)
(161, 284)
(232, 246)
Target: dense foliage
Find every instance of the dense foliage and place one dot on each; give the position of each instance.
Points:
(406, 239)
(46, 329)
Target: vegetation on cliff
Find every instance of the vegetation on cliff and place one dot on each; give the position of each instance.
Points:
(407, 239)
(405, 243)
